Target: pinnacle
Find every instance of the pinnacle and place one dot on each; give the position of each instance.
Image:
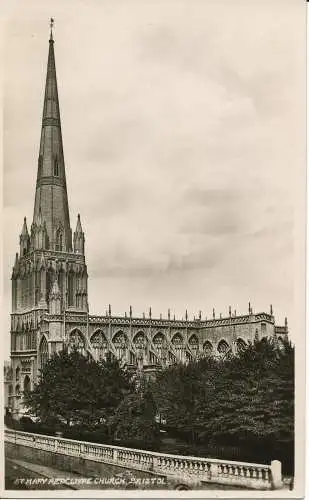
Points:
(78, 225)
(24, 231)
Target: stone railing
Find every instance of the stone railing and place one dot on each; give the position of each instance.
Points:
(177, 323)
(143, 322)
(192, 469)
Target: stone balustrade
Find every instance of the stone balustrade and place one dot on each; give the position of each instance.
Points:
(193, 469)
(178, 323)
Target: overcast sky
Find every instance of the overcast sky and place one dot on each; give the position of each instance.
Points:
(184, 142)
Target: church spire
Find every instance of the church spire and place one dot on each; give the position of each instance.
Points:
(51, 200)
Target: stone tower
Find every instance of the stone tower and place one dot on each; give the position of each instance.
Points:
(49, 274)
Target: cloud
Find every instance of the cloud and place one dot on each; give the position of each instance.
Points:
(183, 145)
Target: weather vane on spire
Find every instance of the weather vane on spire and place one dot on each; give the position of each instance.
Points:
(51, 24)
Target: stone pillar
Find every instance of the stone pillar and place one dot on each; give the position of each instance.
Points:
(276, 474)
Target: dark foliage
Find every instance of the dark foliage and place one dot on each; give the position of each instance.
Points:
(75, 390)
(134, 421)
(245, 402)
(241, 408)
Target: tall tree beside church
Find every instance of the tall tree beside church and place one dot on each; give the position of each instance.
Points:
(75, 389)
(134, 420)
(246, 401)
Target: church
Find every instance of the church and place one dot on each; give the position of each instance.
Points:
(50, 289)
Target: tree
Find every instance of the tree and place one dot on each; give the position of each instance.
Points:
(134, 421)
(256, 393)
(180, 392)
(246, 400)
(75, 389)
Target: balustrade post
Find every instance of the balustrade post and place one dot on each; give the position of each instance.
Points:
(155, 462)
(214, 470)
(276, 474)
(56, 445)
(115, 454)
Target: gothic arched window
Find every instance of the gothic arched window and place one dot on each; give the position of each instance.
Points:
(139, 340)
(223, 347)
(241, 345)
(17, 374)
(193, 343)
(99, 344)
(158, 341)
(179, 346)
(43, 352)
(208, 348)
(120, 342)
(76, 340)
(177, 339)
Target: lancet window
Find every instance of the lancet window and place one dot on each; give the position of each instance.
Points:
(241, 345)
(139, 340)
(99, 345)
(223, 347)
(120, 342)
(76, 340)
(179, 347)
(158, 341)
(43, 351)
(208, 348)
